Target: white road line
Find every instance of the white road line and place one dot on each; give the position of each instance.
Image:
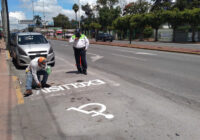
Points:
(131, 57)
(95, 57)
(144, 53)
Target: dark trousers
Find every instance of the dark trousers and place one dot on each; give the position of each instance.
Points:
(80, 54)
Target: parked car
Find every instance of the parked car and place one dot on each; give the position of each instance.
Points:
(28, 45)
(104, 37)
(67, 35)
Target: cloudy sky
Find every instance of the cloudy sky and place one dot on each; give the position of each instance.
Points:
(23, 9)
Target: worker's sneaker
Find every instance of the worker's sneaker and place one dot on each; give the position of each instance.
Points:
(28, 92)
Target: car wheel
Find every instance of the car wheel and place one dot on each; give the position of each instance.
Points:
(15, 61)
(104, 40)
(53, 64)
(111, 40)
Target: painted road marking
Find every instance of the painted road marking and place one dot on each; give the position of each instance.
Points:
(95, 57)
(20, 97)
(136, 58)
(93, 112)
(72, 85)
(144, 53)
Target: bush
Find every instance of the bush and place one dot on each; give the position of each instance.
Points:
(184, 28)
(148, 31)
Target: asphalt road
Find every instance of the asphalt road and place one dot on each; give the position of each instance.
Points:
(187, 45)
(129, 94)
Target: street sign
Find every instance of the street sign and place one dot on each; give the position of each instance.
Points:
(26, 22)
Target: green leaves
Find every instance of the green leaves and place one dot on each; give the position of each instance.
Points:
(61, 21)
(75, 7)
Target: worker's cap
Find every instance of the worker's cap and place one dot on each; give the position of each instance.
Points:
(42, 60)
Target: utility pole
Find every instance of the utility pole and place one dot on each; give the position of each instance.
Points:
(79, 13)
(44, 16)
(5, 22)
(33, 8)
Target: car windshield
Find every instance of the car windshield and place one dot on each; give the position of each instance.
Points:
(31, 39)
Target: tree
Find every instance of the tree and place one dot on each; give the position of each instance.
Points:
(107, 16)
(187, 4)
(96, 27)
(38, 20)
(192, 17)
(61, 21)
(88, 10)
(181, 4)
(118, 24)
(138, 7)
(139, 21)
(161, 5)
(175, 19)
(155, 20)
(107, 3)
(75, 8)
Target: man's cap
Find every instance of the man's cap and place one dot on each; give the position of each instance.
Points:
(42, 60)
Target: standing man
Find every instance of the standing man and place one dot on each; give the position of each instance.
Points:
(80, 45)
(36, 68)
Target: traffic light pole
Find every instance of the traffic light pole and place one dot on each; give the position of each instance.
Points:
(5, 22)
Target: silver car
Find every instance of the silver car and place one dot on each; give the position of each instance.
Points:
(28, 45)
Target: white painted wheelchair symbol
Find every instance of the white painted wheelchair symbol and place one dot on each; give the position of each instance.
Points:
(93, 112)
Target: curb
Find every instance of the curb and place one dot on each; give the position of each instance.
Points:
(147, 47)
(20, 97)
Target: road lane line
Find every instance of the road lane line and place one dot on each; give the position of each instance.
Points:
(144, 53)
(131, 57)
(20, 97)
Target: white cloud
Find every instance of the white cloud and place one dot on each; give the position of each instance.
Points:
(50, 8)
(14, 17)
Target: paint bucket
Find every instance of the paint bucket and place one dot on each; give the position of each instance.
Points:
(48, 69)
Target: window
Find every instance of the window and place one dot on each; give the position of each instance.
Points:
(31, 39)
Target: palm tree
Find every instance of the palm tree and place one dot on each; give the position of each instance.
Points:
(75, 8)
(38, 20)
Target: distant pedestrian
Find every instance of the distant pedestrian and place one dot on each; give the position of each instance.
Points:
(36, 68)
(80, 46)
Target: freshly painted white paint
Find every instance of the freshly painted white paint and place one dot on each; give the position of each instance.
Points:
(93, 112)
(72, 85)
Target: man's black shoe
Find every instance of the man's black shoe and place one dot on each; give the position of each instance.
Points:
(46, 85)
(85, 72)
(79, 72)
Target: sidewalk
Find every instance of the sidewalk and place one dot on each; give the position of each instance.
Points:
(149, 46)
(8, 96)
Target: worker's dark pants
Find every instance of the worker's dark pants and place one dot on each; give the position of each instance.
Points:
(80, 54)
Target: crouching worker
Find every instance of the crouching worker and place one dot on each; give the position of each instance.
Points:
(36, 68)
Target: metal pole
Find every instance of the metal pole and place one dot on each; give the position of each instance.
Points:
(5, 21)
(44, 15)
(79, 13)
(33, 8)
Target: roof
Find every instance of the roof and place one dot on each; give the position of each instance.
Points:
(29, 33)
